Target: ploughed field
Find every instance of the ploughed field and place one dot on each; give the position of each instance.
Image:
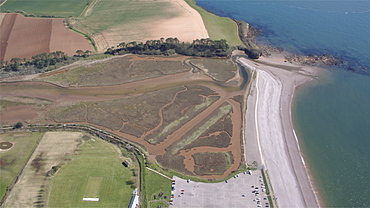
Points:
(181, 110)
(24, 37)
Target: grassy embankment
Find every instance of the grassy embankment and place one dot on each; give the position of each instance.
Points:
(56, 8)
(151, 184)
(218, 27)
(96, 171)
(14, 159)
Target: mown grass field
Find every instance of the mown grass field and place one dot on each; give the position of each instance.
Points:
(96, 171)
(155, 184)
(218, 27)
(64, 8)
(14, 159)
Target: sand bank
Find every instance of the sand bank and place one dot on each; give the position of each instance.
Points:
(270, 137)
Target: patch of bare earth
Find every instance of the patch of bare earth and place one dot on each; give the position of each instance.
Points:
(5, 28)
(63, 39)
(5, 146)
(28, 37)
(19, 113)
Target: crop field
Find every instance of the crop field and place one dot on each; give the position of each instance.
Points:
(14, 159)
(56, 8)
(95, 172)
(112, 22)
(24, 37)
(181, 113)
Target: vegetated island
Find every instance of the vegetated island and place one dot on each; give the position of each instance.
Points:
(91, 93)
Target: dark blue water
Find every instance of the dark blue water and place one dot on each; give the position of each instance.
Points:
(331, 115)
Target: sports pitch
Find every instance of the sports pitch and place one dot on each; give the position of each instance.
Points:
(95, 172)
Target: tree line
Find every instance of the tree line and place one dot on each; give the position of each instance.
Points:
(38, 61)
(44, 61)
(30, 14)
(199, 47)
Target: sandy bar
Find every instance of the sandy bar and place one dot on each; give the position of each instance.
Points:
(269, 133)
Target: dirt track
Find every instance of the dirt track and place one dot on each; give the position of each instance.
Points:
(59, 95)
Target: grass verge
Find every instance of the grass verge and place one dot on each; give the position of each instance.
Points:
(170, 173)
(267, 188)
(157, 189)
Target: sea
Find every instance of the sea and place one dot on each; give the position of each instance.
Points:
(331, 114)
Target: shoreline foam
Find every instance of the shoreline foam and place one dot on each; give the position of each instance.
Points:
(269, 116)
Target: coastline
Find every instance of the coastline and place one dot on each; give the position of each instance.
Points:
(270, 137)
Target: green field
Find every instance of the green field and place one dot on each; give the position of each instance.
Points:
(218, 27)
(96, 171)
(124, 21)
(64, 8)
(154, 184)
(14, 159)
(108, 13)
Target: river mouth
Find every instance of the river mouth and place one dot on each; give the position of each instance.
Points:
(181, 106)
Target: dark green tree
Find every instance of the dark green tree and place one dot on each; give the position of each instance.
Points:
(18, 125)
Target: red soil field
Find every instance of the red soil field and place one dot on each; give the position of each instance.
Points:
(63, 39)
(5, 29)
(23, 37)
(29, 36)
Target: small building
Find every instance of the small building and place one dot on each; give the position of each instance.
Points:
(134, 201)
(126, 163)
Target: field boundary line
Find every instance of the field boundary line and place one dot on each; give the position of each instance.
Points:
(158, 173)
(88, 8)
(3, 3)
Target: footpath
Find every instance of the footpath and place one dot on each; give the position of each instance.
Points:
(159, 173)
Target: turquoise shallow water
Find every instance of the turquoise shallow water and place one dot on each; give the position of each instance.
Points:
(332, 120)
(332, 114)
